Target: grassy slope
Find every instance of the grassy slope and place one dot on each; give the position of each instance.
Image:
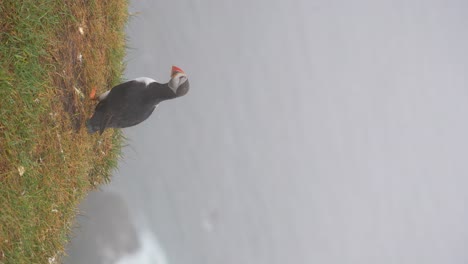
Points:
(47, 160)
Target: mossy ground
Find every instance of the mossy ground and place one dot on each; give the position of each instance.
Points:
(51, 55)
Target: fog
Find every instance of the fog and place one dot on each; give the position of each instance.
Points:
(314, 132)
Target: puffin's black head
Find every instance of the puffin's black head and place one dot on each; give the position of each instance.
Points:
(179, 83)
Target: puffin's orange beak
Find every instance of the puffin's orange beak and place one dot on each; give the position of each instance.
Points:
(176, 70)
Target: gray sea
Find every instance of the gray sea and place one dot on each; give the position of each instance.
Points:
(321, 131)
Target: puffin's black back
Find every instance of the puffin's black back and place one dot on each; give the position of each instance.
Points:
(128, 104)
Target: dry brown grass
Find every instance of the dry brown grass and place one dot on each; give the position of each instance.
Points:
(48, 162)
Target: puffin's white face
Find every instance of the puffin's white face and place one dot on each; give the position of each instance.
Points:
(179, 81)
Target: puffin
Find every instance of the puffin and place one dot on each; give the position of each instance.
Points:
(132, 102)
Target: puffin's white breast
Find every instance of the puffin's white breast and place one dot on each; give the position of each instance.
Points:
(145, 80)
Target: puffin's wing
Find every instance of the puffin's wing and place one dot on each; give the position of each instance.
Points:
(133, 122)
(128, 88)
(114, 109)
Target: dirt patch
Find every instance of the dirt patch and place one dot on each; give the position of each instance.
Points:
(69, 78)
(88, 54)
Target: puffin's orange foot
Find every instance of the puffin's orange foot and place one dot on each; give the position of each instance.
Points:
(92, 95)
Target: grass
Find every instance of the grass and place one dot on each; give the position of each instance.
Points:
(52, 52)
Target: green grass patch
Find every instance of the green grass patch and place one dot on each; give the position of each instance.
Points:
(51, 55)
